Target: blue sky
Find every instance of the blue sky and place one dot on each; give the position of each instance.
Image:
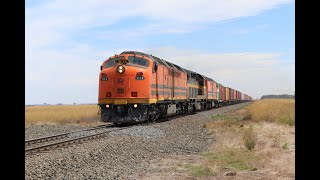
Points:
(248, 45)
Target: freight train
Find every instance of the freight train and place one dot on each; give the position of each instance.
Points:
(138, 87)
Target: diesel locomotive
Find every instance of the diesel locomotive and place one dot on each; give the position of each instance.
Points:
(137, 87)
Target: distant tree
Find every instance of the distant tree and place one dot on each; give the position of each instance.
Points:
(74, 103)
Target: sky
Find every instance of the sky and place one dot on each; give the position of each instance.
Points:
(248, 45)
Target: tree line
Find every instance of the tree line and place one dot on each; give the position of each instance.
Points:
(282, 96)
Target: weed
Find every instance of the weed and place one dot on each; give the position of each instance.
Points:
(285, 146)
(249, 138)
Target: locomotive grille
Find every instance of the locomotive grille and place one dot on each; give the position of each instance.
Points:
(120, 90)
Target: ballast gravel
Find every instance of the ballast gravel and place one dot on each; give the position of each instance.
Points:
(126, 152)
(38, 131)
(140, 131)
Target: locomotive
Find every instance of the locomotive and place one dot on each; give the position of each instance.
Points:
(137, 87)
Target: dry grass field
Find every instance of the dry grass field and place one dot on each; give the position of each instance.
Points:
(272, 110)
(255, 142)
(64, 114)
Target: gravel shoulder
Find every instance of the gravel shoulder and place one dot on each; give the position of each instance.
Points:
(124, 154)
(37, 131)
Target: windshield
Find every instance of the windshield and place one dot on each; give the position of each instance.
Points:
(132, 60)
(138, 61)
(112, 61)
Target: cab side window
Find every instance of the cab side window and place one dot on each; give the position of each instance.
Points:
(138, 61)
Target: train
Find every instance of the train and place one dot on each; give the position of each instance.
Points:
(136, 87)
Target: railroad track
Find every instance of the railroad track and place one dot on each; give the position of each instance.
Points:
(44, 144)
(59, 136)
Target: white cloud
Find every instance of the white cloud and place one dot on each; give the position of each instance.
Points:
(253, 73)
(54, 21)
(205, 10)
(149, 29)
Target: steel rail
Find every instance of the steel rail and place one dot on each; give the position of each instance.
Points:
(68, 142)
(60, 136)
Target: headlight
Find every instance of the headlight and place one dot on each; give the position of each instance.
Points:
(120, 69)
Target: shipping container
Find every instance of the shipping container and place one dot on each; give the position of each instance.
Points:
(237, 95)
(227, 93)
(231, 94)
(222, 92)
(218, 91)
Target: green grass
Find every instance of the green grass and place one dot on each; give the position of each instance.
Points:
(285, 146)
(287, 120)
(237, 159)
(200, 170)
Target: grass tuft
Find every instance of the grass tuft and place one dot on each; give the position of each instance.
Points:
(247, 117)
(249, 138)
(285, 146)
(199, 170)
(276, 139)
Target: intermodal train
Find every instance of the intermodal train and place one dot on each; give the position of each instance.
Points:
(138, 87)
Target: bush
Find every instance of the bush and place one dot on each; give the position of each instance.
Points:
(249, 138)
